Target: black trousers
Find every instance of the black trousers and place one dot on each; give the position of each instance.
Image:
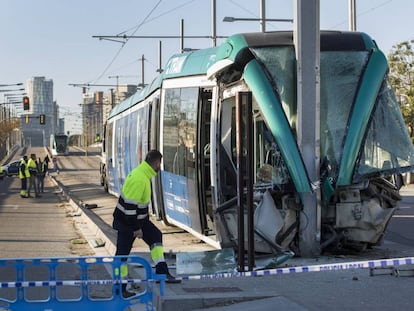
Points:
(151, 235)
(24, 183)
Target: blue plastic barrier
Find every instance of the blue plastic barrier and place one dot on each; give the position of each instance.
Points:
(82, 283)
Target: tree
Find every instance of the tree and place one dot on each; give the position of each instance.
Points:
(401, 61)
(6, 128)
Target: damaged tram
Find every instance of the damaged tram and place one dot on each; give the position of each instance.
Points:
(189, 114)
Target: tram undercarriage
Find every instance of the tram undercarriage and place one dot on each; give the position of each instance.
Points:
(359, 216)
(356, 218)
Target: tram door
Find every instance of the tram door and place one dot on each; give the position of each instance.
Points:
(204, 152)
(153, 139)
(179, 177)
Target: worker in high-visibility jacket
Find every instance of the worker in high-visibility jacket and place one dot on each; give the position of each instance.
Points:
(32, 166)
(131, 217)
(23, 175)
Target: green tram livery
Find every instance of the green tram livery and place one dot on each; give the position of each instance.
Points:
(189, 114)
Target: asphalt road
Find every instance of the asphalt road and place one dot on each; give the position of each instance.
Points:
(38, 227)
(49, 227)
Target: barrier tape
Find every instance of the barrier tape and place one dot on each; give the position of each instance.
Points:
(311, 268)
(300, 269)
(71, 283)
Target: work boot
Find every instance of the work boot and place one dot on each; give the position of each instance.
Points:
(162, 268)
(125, 292)
(171, 279)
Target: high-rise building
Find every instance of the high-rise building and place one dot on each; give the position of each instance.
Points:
(96, 107)
(40, 92)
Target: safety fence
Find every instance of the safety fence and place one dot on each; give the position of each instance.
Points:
(83, 283)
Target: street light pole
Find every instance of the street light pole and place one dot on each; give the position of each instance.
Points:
(2, 91)
(231, 19)
(262, 15)
(352, 15)
(15, 84)
(117, 86)
(213, 23)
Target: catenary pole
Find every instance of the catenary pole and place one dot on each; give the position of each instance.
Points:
(213, 23)
(352, 15)
(263, 15)
(307, 43)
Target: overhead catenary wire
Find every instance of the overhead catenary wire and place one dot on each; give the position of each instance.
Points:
(364, 12)
(123, 45)
(122, 35)
(157, 17)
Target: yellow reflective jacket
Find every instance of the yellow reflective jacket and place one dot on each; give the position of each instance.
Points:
(23, 170)
(132, 207)
(32, 167)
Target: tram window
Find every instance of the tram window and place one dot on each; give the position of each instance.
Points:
(269, 166)
(133, 139)
(280, 63)
(109, 132)
(387, 147)
(227, 170)
(340, 74)
(141, 134)
(180, 131)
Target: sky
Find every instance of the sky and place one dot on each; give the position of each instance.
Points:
(54, 38)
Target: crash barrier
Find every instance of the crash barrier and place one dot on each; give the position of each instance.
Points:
(82, 283)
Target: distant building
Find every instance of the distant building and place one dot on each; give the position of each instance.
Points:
(61, 125)
(96, 107)
(122, 92)
(40, 92)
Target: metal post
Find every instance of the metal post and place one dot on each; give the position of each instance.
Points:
(240, 183)
(182, 35)
(249, 174)
(263, 15)
(112, 98)
(352, 15)
(160, 57)
(213, 23)
(142, 71)
(307, 43)
(117, 89)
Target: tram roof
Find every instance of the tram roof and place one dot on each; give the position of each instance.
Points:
(197, 62)
(179, 65)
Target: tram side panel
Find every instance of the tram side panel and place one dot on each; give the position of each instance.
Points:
(178, 145)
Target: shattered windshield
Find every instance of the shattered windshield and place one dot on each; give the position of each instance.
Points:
(339, 75)
(387, 147)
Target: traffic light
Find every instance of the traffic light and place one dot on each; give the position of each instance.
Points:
(42, 119)
(26, 103)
